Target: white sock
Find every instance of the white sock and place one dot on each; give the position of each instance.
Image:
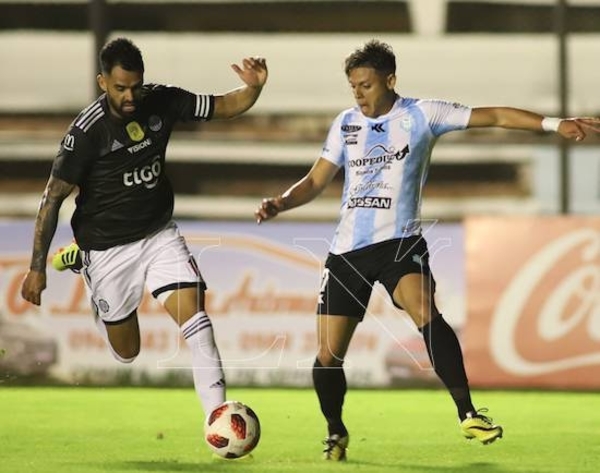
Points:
(104, 334)
(209, 380)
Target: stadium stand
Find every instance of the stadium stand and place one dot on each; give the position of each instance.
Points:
(449, 49)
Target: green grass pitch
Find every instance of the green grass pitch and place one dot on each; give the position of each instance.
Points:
(126, 430)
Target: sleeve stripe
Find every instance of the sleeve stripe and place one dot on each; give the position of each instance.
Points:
(94, 120)
(197, 106)
(93, 106)
(89, 114)
(202, 106)
(89, 118)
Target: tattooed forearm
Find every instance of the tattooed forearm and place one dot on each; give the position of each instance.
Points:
(46, 221)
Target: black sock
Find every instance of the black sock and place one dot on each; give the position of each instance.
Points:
(447, 360)
(330, 386)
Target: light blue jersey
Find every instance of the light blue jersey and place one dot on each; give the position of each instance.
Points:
(386, 161)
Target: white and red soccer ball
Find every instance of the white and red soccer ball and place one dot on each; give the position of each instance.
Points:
(232, 430)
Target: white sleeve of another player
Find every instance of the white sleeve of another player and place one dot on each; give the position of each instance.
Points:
(333, 149)
(445, 116)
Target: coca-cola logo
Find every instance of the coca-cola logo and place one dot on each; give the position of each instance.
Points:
(556, 295)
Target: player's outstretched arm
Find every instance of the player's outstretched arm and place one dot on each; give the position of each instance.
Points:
(45, 226)
(514, 118)
(300, 193)
(253, 72)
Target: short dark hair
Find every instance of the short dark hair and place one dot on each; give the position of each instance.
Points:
(375, 54)
(121, 52)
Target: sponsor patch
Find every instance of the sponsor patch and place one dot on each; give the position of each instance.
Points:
(370, 202)
(148, 175)
(351, 128)
(140, 146)
(155, 123)
(104, 307)
(135, 131)
(69, 142)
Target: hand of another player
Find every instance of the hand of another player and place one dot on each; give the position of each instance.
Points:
(253, 72)
(33, 286)
(269, 208)
(577, 128)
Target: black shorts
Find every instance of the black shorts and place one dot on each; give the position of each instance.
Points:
(348, 278)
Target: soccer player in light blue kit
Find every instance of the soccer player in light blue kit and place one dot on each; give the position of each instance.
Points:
(384, 145)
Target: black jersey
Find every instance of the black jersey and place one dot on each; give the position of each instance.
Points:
(119, 165)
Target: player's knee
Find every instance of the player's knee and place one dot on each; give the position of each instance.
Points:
(421, 314)
(126, 355)
(328, 359)
(121, 359)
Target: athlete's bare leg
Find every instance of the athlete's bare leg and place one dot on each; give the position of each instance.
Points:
(334, 333)
(183, 304)
(414, 294)
(123, 337)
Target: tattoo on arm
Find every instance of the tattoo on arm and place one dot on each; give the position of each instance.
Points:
(47, 220)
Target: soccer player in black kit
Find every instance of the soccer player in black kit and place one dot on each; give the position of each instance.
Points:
(114, 152)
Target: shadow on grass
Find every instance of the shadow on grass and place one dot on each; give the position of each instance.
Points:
(174, 465)
(159, 465)
(218, 466)
(476, 467)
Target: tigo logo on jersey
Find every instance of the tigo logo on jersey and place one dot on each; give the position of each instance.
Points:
(147, 175)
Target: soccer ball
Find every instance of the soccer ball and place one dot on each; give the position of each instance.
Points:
(232, 430)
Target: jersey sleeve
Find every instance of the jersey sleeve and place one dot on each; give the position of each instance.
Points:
(445, 116)
(333, 148)
(74, 157)
(187, 106)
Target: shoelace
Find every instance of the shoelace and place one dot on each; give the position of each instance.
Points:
(480, 415)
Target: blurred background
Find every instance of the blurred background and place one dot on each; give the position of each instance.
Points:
(511, 215)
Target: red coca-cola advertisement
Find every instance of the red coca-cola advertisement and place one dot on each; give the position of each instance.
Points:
(533, 310)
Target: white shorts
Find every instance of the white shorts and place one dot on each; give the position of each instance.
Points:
(115, 278)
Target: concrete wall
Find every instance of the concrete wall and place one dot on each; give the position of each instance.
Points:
(53, 72)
